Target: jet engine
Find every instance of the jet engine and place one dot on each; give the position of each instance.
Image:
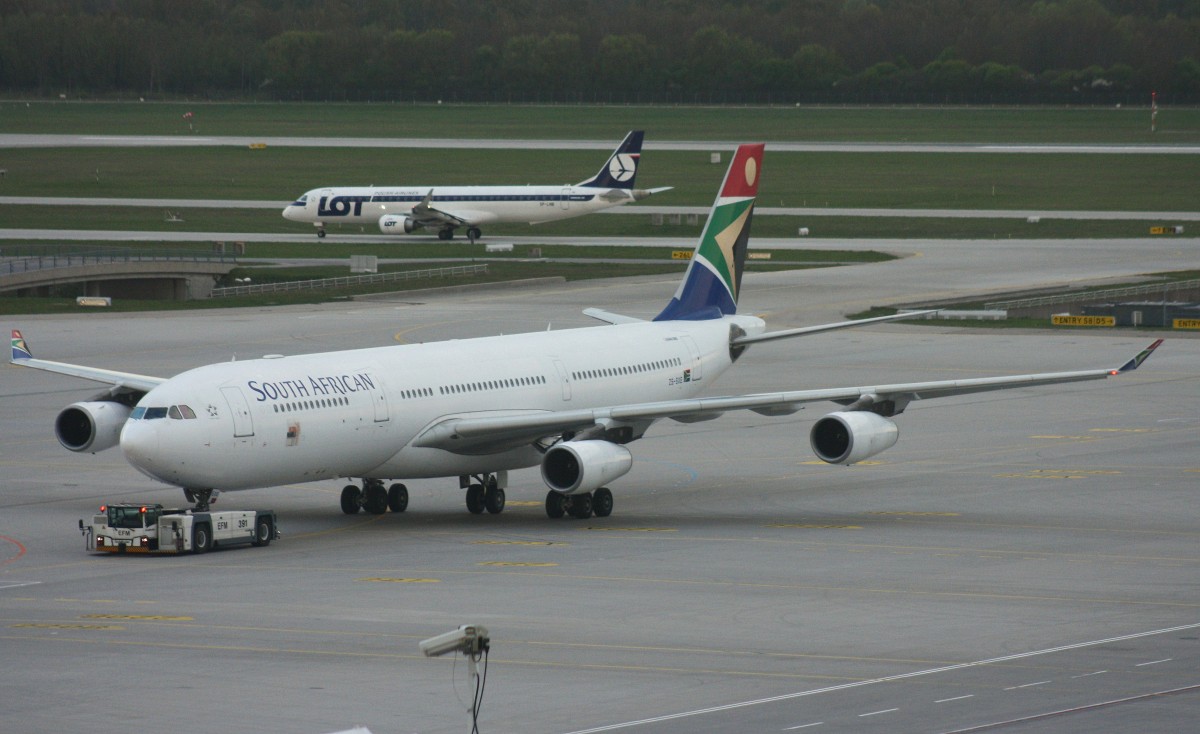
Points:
(396, 224)
(584, 466)
(92, 426)
(849, 437)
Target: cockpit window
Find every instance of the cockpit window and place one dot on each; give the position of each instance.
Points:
(154, 413)
(137, 414)
(302, 201)
(187, 412)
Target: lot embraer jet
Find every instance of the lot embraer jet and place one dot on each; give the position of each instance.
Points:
(404, 209)
(570, 401)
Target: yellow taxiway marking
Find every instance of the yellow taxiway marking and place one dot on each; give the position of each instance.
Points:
(517, 542)
(1067, 438)
(517, 564)
(1122, 430)
(1058, 474)
(632, 530)
(899, 513)
(386, 580)
(153, 617)
(523, 503)
(818, 462)
(812, 526)
(68, 626)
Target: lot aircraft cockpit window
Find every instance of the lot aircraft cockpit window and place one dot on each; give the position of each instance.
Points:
(302, 201)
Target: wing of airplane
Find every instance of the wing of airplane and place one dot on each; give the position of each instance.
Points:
(428, 216)
(121, 381)
(469, 434)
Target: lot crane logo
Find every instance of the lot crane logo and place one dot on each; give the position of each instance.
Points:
(623, 166)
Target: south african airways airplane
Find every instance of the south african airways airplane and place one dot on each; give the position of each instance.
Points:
(405, 209)
(569, 401)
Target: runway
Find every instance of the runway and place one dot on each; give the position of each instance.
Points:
(647, 209)
(1023, 556)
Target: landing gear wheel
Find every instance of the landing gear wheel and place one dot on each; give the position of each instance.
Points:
(445, 234)
(201, 538)
(397, 498)
(473, 234)
(263, 532)
(475, 501)
(321, 233)
(555, 505)
(581, 506)
(493, 500)
(351, 499)
(375, 498)
(602, 502)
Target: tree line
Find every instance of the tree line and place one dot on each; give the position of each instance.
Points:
(610, 51)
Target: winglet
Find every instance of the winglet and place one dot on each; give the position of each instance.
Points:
(19, 349)
(1134, 363)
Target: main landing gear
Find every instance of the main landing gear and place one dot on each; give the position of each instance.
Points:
(579, 506)
(374, 498)
(484, 494)
(447, 233)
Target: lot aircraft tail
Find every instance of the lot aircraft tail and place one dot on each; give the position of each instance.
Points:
(620, 170)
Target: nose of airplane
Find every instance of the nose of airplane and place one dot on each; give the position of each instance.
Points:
(292, 212)
(140, 444)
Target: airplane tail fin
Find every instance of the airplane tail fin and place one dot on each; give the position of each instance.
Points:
(19, 348)
(714, 277)
(620, 170)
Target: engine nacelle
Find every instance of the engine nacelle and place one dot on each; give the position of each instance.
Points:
(91, 427)
(584, 466)
(848, 437)
(396, 224)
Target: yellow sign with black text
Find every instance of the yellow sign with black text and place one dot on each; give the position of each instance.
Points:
(1185, 323)
(681, 254)
(1063, 319)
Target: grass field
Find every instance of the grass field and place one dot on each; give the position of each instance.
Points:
(844, 180)
(587, 122)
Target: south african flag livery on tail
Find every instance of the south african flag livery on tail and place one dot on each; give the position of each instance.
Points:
(19, 350)
(710, 287)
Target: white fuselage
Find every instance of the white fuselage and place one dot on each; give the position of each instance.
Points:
(475, 205)
(283, 420)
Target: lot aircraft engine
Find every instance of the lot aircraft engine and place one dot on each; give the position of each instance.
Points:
(91, 426)
(397, 224)
(847, 437)
(584, 466)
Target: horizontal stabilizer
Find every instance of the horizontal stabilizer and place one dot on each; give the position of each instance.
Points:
(742, 341)
(609, 317)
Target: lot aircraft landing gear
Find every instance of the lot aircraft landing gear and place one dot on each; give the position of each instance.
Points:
(446, 233)
(473, 234)
(486, 493)
(579, 506)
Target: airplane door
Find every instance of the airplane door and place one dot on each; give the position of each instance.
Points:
(694, 351)
(564, 378)
(243, 424)
(380, 399)
(566, 198)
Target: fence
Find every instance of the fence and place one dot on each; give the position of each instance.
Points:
(45, 257)
(1153, 289)
(351, 280)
